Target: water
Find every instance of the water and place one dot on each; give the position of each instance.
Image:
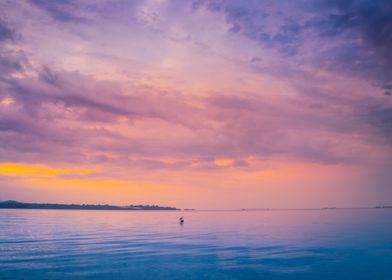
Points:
(65, 244)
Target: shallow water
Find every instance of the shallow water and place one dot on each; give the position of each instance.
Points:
(64, 244)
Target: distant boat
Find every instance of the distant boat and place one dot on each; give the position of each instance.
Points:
(181, 220)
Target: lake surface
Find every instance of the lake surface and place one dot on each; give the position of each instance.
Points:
(72, 244)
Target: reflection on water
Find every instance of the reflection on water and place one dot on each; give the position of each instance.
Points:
(63, 244)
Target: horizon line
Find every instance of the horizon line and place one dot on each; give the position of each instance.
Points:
(384, 206)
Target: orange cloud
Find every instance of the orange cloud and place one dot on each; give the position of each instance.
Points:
(37, 170)
(7, 101)
(223, 162)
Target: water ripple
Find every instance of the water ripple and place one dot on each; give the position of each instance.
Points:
(151, 245)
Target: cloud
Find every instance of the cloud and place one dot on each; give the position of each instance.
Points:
(366, 26)
(120, 120)
(75, 116)
(6, 33)
(11, 61)
(380, 116)
(373, 19)
(36, 170)
(353, 38)
(253, 19)
(63, 11)
(6, 101)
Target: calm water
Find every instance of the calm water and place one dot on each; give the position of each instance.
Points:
(64, 244)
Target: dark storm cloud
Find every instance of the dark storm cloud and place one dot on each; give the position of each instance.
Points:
(369, 26)
(350, 36)
(373, 18)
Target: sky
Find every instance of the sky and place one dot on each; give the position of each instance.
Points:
(206, 104)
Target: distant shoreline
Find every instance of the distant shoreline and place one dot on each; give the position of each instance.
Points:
(11, 204)
(297, 209)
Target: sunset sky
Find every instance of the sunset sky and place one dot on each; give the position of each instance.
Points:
(206, 104)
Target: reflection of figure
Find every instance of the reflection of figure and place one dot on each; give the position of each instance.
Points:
(181, 220)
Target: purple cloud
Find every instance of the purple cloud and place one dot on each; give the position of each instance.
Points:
(61, 114)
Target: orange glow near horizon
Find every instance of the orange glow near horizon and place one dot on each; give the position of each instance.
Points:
(37, 170)
(305, 183)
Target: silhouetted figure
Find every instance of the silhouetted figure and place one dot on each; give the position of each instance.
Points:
(181, 220)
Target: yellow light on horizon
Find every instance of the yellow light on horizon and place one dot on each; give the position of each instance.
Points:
(38, 170)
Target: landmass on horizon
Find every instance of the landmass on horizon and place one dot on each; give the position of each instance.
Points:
(23, 205)
(13, 204)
